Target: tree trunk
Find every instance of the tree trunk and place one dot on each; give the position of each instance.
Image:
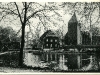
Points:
(22, 46)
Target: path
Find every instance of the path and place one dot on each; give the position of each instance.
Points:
(18, 70)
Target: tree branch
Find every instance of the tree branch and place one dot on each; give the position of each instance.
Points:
(34, 14)
(3, 17)
(18, 13)
(30, 28)
(8, 10)
(29, 4)
(25, 13)
(42, 22)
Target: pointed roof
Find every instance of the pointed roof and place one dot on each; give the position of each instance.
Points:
(48, 32)
(73, 18)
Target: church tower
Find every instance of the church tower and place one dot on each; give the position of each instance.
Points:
(74, 31)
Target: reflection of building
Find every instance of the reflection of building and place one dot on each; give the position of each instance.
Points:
(50, 40)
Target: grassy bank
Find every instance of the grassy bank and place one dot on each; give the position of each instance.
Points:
(10, 59)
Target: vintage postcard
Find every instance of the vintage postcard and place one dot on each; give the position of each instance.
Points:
(49, 37)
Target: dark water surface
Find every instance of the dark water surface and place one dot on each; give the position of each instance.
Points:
(60, 61)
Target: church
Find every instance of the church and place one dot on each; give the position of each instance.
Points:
(75, 36)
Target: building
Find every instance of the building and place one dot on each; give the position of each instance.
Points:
(96, 40)
(49, 40)
(86, 39)
(73, 36)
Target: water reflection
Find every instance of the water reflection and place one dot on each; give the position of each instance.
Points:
(31, 59)
(61, 61)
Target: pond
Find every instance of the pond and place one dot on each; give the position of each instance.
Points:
(61, 61)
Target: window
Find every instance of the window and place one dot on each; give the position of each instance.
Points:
(47, 40)
(55, 40)
(55, 45)
(51, 45)
(47, 45)
(51, 40)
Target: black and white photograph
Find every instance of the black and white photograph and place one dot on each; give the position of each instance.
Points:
(49, 37)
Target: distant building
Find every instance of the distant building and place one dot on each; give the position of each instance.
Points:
(73, 36)
(86, 39)
(49, 40)
(96, 40)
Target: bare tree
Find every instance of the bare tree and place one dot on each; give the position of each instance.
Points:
(23, 13)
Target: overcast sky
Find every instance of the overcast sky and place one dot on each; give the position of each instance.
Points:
(63, 25)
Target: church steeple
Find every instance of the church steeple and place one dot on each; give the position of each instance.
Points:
(74, 31)
(73, 18)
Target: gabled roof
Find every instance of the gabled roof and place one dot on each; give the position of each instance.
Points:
(48, 32)
(73, 18)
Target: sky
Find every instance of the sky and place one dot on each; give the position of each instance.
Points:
(63, 25)
(15, 24)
